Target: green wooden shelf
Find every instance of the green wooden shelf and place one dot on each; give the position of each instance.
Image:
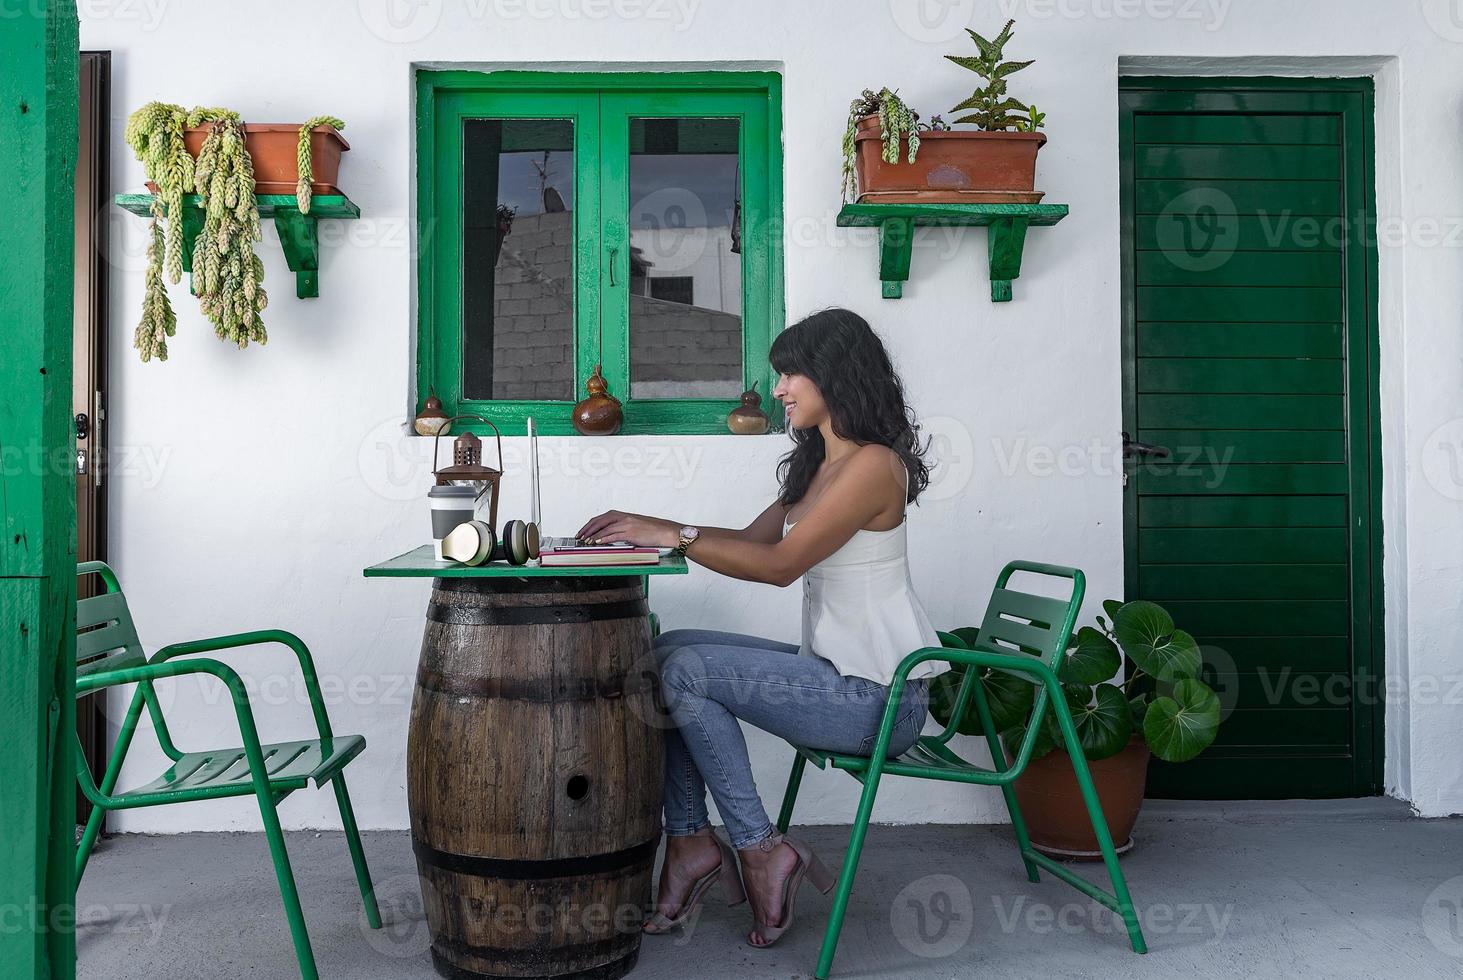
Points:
(418, 563)
(896, 224)
(297, 233)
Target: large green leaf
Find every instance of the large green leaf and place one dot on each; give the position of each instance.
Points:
(1093, 660)
(945, 687)
(1047, 737)
(1009, 697)
(954, 640)
(968, 635)
(1111, 607)
(1145, 632)
(1138, 706)
(1105, 724)
(1182, 724)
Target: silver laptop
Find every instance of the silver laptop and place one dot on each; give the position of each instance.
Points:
(547, 542)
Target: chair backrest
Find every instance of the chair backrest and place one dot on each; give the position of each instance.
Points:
(105, 636)
(1037, 625)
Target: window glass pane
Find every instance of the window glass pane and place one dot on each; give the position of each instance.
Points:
(685, 259)
(517, 259)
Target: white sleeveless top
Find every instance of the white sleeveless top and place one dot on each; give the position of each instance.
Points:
(860, 611)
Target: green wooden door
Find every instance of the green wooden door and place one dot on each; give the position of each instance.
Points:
(1249, 352)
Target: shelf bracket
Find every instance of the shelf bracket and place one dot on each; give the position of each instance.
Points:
(299, 238)
(301, 244)
(1005, 225)
(896, 243)
(1006, 239)
(192, 228)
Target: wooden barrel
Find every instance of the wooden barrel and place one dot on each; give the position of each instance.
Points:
(534, 775)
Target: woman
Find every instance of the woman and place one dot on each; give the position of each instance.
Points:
(838, 523)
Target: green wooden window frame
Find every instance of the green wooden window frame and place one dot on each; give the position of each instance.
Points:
(600, 105)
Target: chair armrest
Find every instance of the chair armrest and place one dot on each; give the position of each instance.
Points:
(156, 671)
(255, 638)
(1020, 663)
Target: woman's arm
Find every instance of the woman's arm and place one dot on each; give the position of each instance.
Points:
(766, 527)
(864, 488)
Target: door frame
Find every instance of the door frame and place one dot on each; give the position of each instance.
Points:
(90, 276)
(1355, 99)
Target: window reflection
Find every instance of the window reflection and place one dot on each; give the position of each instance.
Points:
(518, 259)
(685, 261)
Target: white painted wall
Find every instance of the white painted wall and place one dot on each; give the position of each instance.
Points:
(251, 487)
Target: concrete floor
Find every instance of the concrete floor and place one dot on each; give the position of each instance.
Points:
(1348, 889)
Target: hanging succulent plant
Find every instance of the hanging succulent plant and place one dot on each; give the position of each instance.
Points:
(303, 189)
(896, 122)
(226, 272)
(155, 133)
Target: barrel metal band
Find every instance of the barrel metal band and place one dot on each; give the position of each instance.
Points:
(608, 971)
(630, 858)
(542, 690)
(536, 615)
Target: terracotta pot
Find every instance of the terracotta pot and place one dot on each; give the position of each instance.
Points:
(271, 148)
(952, 167)
(1056, 817)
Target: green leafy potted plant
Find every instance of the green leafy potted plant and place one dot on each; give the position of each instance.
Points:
(1160, 707)
(993, 164)
(212, 153)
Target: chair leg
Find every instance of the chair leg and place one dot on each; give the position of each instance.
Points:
(846, 874)
(794, 779)
(1099, 825)
(998, 762)
(1018, 824)
(88, 839)
(289, 894)
(358, 854)
(109, 779)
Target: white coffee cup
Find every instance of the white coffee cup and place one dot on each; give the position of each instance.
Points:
(451, 506)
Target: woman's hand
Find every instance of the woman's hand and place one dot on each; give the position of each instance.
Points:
(616, 525)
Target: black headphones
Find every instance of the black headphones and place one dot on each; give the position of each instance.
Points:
(518, 544)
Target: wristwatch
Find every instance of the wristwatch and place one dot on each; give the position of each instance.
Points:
(688, 534)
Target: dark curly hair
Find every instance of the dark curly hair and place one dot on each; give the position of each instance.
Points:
(838, 351)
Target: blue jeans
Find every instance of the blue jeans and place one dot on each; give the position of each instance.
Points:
(709, 679)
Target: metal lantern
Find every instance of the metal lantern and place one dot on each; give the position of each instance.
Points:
(467, 467)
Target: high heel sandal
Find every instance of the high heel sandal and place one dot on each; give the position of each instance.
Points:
(731, 886)
(808, 864)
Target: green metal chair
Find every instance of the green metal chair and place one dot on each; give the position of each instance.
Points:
(1035, 631)
(108, 653)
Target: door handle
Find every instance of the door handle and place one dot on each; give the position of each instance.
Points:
(613, 253)
(1132, 448)
(83, 425)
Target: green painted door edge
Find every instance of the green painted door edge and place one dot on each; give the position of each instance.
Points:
(39, 89)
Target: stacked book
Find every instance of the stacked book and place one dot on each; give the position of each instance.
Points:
(619, 553)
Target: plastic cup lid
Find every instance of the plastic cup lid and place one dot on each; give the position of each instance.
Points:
(451, 491)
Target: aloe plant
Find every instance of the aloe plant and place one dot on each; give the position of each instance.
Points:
(993, 108)
(1162, 700)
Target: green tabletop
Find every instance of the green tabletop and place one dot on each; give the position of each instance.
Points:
(419, 563)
